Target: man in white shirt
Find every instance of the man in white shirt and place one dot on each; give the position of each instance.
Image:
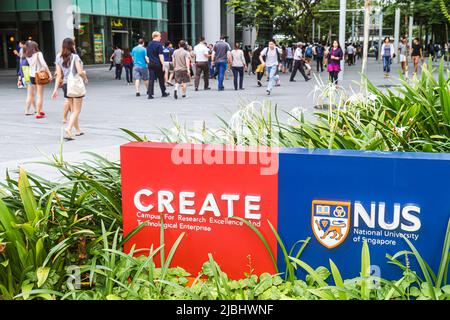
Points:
(271, 58)
(351, 54)
(202, 55)
(299, 64)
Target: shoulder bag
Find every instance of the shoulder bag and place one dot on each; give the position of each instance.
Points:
(75, 83)
(42, 76)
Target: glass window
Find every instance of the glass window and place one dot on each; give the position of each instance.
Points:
(84, 43)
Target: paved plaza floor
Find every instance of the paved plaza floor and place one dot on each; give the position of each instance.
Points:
(110, 105)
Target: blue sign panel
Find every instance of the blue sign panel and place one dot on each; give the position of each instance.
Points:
(342, 198)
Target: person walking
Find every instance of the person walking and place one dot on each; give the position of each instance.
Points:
(319, 54)
(238, 66)
(351, 54)
(416, 53)
(18, 52)
(181, 62)
(68, 63)
(202, 55)
(24, 79)
(387, 53)
(290, 57)
(110, 53)
(299, 64)
(221, 56)
(376, 51)
(156, 65)
(271, 59)
(334, 61)
(283, 59)
(40, 76)
(117, 58)
(212, 69)
(140, 69)
(128, 65)
(257, 65)
(168, 62)
(403, 52)
(308, 53)
(248, 58)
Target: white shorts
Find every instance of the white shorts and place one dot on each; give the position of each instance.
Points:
(402, 58)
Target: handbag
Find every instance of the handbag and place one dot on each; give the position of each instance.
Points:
(42, 77)
(75, 83)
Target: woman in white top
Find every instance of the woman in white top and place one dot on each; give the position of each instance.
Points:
(37, 64)
(387, 53)
(66, 62)
(238, 66)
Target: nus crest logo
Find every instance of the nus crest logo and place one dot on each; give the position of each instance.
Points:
(330, 222)
(331, 219)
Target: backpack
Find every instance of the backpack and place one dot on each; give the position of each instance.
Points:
(309, 52)
(266, 50)
(319, 51)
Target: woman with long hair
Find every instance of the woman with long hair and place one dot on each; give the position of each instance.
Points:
(238, 66)
(36, 64)
(416, 53)
(387, 53)
(66, 62)
(335, 56)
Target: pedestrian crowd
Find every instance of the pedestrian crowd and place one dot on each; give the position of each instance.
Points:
(173, 66)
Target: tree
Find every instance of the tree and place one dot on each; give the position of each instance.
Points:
(429, 15)
(294, 17)
(254, 13)
(443, 4)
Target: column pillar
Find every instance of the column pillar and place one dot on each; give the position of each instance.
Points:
(193, 24)
(63, 21)
(313, 30)
(211, 20)
(410, 32)
(231, 30)
(342, 20)
(249, 36)
(184, 14)
(380, 35)
(397, 33)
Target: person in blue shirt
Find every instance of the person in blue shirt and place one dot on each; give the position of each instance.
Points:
(156, 65)
(140, 69)
(168, 62)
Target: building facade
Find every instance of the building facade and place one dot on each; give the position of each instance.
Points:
(98, 25)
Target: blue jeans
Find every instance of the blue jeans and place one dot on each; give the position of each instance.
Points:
(273, 77)
(221, 68)
(387, 64)
(238, 72)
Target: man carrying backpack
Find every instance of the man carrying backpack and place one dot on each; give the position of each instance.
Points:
(271, 58)
(319, 54)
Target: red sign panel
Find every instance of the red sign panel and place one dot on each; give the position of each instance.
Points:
(198, 189)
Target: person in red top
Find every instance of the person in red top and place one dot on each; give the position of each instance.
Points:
(128, 64)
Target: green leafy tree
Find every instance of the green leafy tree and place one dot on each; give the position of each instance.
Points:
(294, 18)
(254, 13)
(431, 16)
(444, 4)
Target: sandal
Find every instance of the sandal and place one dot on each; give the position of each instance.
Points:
(68, 136)
(80, 134)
